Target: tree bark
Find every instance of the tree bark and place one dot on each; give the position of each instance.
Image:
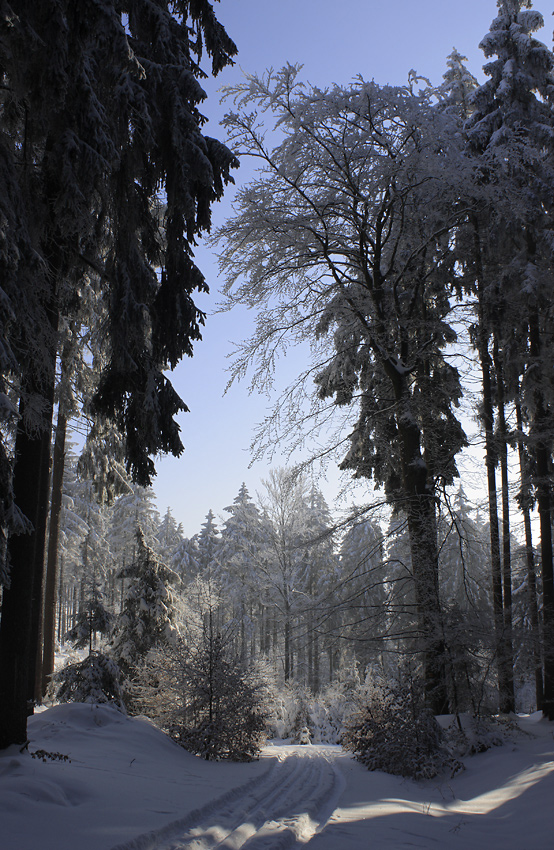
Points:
(541, 479)
(509, 695)
(531, 571)
(20, 626)
(505, 677)
(21, 603)
(49, 628)
(419, 507)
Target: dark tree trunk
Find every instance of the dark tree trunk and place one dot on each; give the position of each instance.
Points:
(21, 604)
(61, 604)
(422, 532)
(52, 557)
(541, 479)
(20, 626)
(419, 506)
(531, 572)
(505, 679)
(508, 701)
(316, 683)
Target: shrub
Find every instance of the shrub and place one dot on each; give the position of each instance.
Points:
(396, 734)
(205, 699)
(96, 679)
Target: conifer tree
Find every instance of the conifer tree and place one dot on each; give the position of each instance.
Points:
(208, 542)
(238, 556)
(457, 87)
(169, 536)
(510, 132)
(148, 615)
(100, 114)
(363, 590)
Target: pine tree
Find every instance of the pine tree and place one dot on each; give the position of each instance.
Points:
(206, 699)
(133, 510)
(238, 557)
(96, 680)
(284, 569)
(148, 616)
(320, 580)
(93, 618)
(99, 113)
(208, 542)
(362, 591)
(455, 93)
(169, 536)
(510, 133)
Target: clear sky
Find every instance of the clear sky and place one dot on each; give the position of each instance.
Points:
(334, 41)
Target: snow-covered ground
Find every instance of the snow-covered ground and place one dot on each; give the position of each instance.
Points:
(127, 786)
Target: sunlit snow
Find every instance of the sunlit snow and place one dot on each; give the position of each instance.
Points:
(127, 786)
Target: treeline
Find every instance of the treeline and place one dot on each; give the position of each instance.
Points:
(293, 592)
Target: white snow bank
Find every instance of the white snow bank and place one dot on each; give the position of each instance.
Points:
(124, 778)
(503, 799)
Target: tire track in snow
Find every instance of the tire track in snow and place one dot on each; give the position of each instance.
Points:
(287, 805)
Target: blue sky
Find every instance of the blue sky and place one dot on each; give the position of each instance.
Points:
(334, 41)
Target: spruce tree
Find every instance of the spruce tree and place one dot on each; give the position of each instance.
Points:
(148, 616)
(100, 121)
(510, 133)
(238, 557)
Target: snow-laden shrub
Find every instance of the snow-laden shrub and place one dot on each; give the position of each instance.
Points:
(204, 698)
(329, 712)
(288, 709)
(292, 707)
(464, 735)
(96, 679)
(396, 734)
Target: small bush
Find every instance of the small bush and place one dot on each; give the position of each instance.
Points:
(465, 735)
(396, 734)
(205, 699)
(96, 679)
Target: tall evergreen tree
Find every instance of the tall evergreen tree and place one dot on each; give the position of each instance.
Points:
(511, 131)
(100, 118)
(238, 557)
(148, 615)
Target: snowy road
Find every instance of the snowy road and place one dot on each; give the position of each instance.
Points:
(284, 807)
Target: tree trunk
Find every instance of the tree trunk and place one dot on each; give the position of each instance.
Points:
(509, 695)
(21, 603)
(20, 626)
(419, 505)
(505, 689)
(541, 479)
(61, 604)
(287, 648)
(531, 572)
(52, 557)
(316, 663)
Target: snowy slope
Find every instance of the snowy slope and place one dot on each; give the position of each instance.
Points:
(128, 786)
(125, 778)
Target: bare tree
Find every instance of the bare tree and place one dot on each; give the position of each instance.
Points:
(343, 240)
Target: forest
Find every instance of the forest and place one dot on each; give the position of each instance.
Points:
(402, 237)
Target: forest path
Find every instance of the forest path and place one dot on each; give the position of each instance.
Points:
(283, 808)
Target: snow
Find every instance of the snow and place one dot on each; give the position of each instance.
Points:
(129, 787)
